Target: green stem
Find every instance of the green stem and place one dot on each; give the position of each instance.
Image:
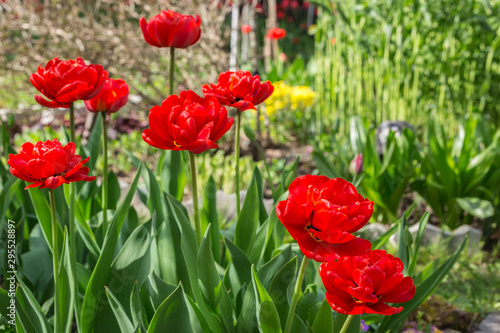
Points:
(347, 322)
(296, 293)
(104, 173)
(237, 161)
(72, 227)
(196, 209)
(172, 70)
(55, 260)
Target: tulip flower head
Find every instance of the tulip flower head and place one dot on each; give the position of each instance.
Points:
(364, 284)
(321, 214)
(240, 90)
(187, 122)
(112, 97)
(66, 81)
(48, 164)
(246, 29)
(276, 33)
(171, 29)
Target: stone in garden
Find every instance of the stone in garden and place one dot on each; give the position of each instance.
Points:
(385, 129)
(459, 235)
(432, 235)
(373, 231)
(490, 324)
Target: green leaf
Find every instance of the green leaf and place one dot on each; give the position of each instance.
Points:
(42, 210)
(208, 277)
(324, 319)
(403, 248)
(209, 216)
(269, 321)
(424, 290)
(66, 287)
(137, 307)
(241, 264)
(421, 229)
(175, 312)
(476, 207)
(123, 320)
(28, 311)
(101, 270)
(358, 135)
(153, 292)
(324, 166)
(114, 191)
(173, 177)
(84, 228)
(280, 286)
(268, 272)
(93, 147)
(248, 220)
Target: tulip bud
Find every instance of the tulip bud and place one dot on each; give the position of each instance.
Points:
(249, 132)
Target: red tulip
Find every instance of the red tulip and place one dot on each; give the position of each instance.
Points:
(246, 29)
(112, 97)
(239, 89)
(280, 14)
(187, 122)
(171, 29)
(276, 33)
(64, 82)
(364, 284)
(321, 214)
(49, 164)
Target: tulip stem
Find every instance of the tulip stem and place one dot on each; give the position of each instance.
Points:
(196, 209)
(172, 70)
(237, 161)
(72, 227)
(104, 173)
(347, 322)
(55, 260)
(296, 293)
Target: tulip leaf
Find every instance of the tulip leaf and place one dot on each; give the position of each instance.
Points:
(324, 166)
(173, 177)
(240, 264)
(279, 288)
(175, 312)
(424, 290)
(84, 228)
(29, 314)
(153, 292)
(42, 210)
(101, 271)
(123, 320)
(323, 323)
(93, 147)
(247, 318)
(137, 307)
(66, 287)
(209, 216)
(248, 220)
(269, 321)
(114, 190)
(268, 271)
(403, 247)
(421, 229)
(208, 277)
